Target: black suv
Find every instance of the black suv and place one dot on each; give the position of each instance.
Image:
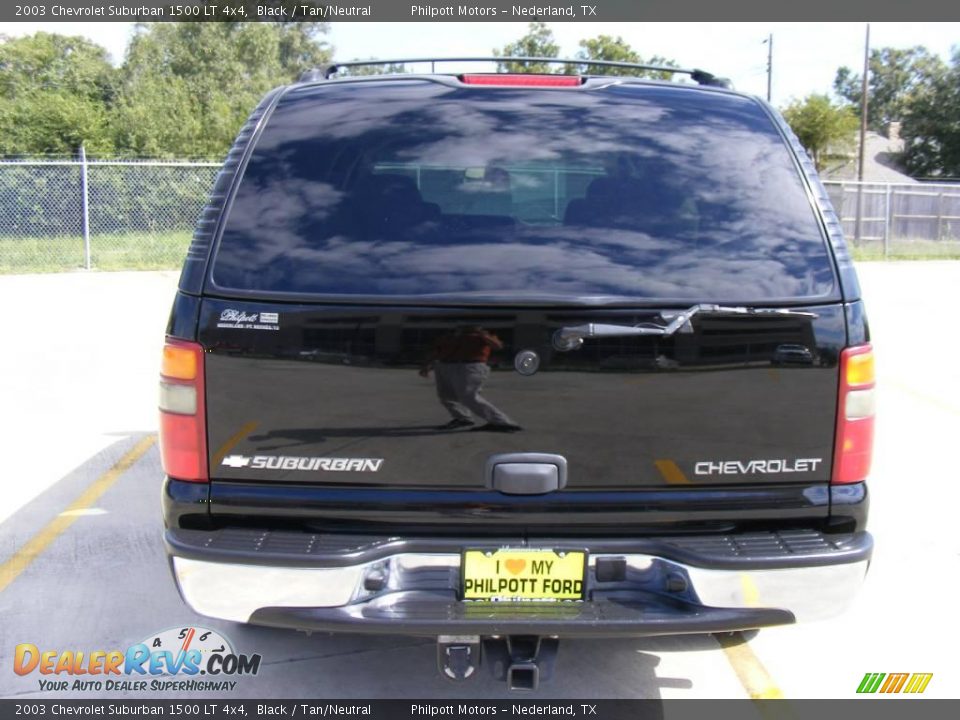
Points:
(516, 355)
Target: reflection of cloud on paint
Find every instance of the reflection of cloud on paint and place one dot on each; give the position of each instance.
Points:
(712, 207)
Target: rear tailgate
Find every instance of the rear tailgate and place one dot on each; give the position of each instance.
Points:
(738, 400)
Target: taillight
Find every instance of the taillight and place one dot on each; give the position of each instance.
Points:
(855, 415)
(183, 429)
(504, 79)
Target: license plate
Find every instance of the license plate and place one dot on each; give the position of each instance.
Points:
(523, 574)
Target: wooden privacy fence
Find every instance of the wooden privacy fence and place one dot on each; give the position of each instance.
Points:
(903, 218)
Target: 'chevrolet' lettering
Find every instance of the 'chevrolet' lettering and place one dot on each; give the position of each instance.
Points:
(754, 467)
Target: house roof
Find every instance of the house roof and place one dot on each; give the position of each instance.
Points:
(880, 162)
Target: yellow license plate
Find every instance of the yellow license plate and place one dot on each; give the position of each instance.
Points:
(523, 574)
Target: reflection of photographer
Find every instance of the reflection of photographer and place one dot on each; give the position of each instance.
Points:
(460, 369)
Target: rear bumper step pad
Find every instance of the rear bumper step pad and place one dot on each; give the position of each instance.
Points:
(754, 550)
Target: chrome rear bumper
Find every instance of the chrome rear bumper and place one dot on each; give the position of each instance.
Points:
(390, 590)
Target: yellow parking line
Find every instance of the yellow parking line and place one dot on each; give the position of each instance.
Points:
(917, 394)
(751, 672)
(29, 552)
(751, 594)
(239, 435)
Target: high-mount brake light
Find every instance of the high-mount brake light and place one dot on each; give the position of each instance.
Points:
(855, 416)
(183, 429)
(505, 80)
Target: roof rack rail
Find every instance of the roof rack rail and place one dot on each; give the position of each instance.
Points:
(701, 77)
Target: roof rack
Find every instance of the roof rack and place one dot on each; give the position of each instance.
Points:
(701, 77)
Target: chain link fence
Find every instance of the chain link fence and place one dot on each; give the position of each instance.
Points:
(58, 215)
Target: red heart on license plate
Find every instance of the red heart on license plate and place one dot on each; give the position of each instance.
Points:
(516, 566)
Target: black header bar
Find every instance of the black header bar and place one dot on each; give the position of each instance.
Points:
(474, 11)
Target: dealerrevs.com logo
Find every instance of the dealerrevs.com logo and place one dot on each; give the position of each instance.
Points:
(178, 659)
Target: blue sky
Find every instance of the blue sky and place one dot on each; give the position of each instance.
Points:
(806, 55)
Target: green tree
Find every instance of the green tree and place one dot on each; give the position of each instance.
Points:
(896, 78)
(931, 126)
(54, 95)
(616, 49)
(538, 42)
(187, 88)
(821, 126)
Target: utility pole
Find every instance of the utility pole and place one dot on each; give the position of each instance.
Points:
(863, 137)
(864, 103)
(769, 43)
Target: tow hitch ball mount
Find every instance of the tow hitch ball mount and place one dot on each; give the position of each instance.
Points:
(522, 660)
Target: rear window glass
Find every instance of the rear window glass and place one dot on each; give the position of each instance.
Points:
(412, 189)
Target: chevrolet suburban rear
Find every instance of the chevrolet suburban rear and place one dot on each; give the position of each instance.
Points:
(519, 356)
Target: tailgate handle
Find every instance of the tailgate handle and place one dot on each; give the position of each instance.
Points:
(526, 473)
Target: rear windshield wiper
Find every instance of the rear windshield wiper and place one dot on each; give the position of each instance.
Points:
(571, 338)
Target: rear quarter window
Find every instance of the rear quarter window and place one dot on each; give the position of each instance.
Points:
(410, 189)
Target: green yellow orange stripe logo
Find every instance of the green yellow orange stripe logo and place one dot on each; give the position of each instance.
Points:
(894, 682)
